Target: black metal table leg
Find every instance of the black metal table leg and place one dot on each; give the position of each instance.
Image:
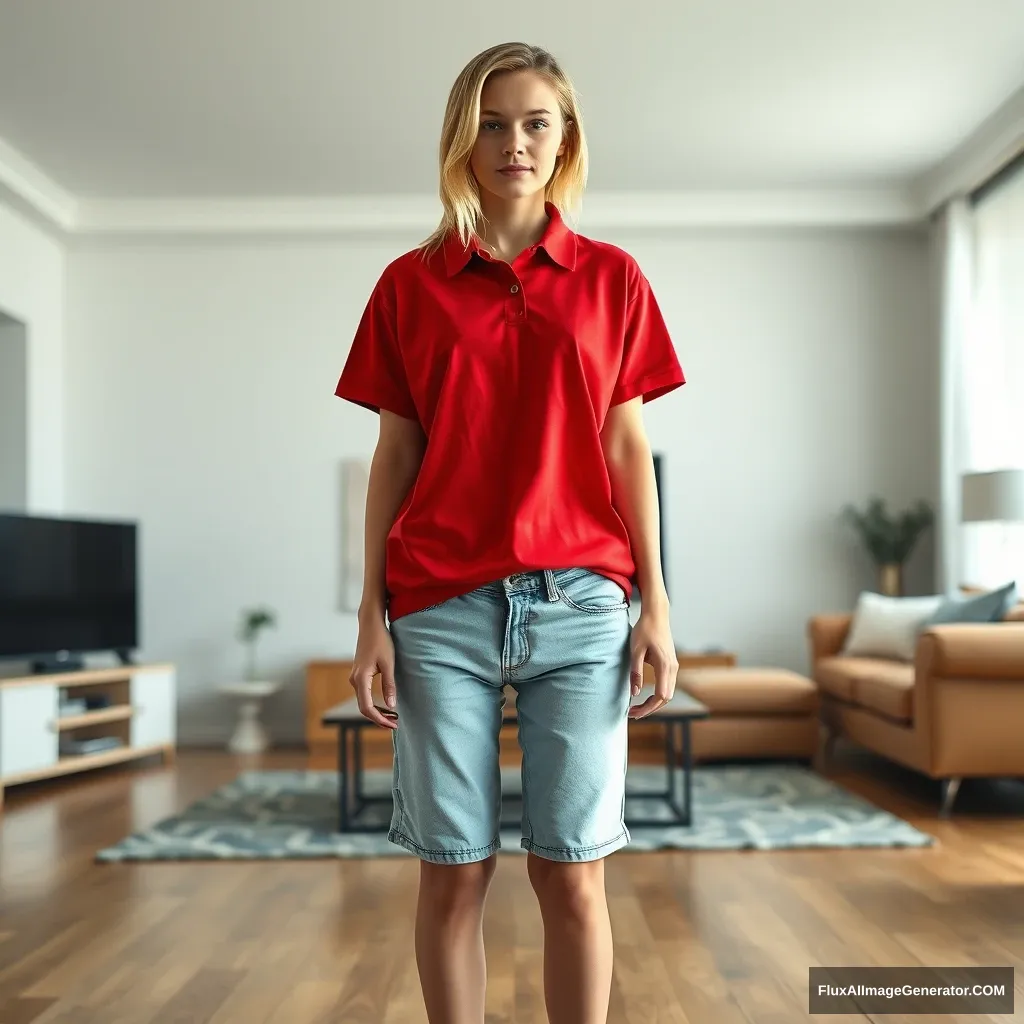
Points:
(671, 762)
(357, 743)
(676, 793)
(343, 820)
(687, 771)
(353, 799)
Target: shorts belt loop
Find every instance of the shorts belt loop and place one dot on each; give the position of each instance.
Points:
(549, 580)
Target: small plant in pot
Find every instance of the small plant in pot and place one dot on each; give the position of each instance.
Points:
(890, 539)
(254, 621)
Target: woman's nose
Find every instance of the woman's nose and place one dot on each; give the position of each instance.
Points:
(514, 143)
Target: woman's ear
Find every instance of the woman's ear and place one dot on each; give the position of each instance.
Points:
(567, 128)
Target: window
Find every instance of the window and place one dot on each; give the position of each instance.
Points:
(993, 373)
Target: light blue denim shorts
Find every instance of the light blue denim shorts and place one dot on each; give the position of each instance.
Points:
(560, 639)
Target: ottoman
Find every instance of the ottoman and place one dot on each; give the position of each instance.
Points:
(755, 713)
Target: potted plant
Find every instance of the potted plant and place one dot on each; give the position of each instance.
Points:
(890, 539)
(254, 621)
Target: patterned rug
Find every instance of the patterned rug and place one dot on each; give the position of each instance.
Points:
(293, 815)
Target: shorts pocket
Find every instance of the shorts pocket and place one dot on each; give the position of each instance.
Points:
(592, 593)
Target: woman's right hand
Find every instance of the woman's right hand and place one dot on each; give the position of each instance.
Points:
(375, 652)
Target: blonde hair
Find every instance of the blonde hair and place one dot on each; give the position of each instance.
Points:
(458, 189)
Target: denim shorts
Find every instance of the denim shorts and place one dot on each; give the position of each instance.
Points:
(560, 639)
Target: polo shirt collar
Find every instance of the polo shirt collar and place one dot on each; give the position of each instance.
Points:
(558, 241)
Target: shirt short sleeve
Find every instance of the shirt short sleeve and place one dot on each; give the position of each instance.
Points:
(650, 367)
(374, 373)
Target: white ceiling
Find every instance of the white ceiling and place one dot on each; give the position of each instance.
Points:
(178, 99)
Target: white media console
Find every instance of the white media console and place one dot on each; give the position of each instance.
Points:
(137, 708)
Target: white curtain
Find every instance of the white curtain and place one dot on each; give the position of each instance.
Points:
(992, 362)
(954, 243)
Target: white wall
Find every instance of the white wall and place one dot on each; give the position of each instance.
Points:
(32, 266)
(812, 382)
(199, 398)
(13, 415)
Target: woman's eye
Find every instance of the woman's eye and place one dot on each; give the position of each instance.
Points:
(489, 126)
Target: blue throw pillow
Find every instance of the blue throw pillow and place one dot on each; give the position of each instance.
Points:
(991, 606)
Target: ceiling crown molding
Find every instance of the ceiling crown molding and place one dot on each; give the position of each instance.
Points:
(998, 140)
(419, 214)
(24, 180)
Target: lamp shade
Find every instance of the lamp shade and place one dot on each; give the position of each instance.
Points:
(996, 496)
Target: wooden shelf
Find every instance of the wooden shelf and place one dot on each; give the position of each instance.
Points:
(80, 762)
(88, 677)
(113, 714)
(137, 709)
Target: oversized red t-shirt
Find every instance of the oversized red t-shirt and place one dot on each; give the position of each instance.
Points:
(510, 370)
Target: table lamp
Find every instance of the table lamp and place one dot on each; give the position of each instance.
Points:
(995, 496)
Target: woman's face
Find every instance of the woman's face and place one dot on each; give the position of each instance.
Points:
(519, 137)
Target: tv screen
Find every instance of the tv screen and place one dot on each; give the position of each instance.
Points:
(66, 585)
(659, 483)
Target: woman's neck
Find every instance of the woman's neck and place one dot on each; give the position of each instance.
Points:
(511, 227)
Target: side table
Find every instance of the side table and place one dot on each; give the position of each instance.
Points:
(249, 736)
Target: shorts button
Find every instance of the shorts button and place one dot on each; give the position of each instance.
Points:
(514, 289)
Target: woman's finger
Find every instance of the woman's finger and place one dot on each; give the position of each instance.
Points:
(387, 684)
(363, 683)
(636, 668)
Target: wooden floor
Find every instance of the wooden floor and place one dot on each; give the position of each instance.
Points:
(705, 937)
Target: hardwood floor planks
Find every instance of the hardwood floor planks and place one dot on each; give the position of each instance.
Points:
(701, 937)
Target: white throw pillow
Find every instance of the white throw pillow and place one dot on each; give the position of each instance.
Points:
(887, 627)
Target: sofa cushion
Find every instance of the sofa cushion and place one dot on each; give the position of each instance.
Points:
(878, 684)
(888, 627)
(990, 606)
(750, 691)
(1015, 614)
(888, 690)
(835, 675)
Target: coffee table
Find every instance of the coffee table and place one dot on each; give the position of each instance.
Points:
(677, 795)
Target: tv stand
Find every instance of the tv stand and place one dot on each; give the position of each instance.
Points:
(41, 738)
(64, 661)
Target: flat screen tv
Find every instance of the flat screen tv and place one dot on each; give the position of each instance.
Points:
(68, 587)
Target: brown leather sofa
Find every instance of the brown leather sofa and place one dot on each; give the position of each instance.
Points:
(956, 711)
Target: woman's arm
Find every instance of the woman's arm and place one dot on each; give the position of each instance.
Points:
(630, 462)
(393, 470)
(627, 453)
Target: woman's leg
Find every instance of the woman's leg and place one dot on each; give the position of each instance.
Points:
(573, 703)
(447, 789)
(450, 940)
(577, 939)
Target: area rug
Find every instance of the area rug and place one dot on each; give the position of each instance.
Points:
(292, 815)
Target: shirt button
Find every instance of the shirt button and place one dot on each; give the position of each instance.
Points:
(514, 289)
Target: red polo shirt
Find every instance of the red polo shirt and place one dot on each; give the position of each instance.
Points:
(510, 370)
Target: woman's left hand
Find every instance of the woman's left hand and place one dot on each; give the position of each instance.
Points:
(651, 642)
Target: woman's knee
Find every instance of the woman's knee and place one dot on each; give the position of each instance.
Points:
(454, 886)
(572, 888)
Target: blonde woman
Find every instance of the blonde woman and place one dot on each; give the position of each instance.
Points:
(511, 507)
